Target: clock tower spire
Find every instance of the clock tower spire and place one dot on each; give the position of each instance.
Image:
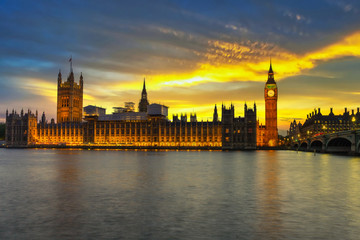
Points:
(271, 96)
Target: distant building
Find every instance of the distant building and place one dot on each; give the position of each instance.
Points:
(69, 98)
(155, 109)
(124, 116)
(317, 124)
(91, 110)
(128, 107)
(119, 110)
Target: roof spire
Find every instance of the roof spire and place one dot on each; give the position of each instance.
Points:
(270, 69)
(270, 75)
(70, 60)
(144, 88)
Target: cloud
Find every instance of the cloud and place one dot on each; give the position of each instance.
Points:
(192, 53)
(297, 17)
(244, 61)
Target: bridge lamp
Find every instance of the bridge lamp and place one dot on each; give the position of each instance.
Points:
(353, 119)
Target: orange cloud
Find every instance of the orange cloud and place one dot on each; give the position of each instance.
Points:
(248, 61)
(223, 62)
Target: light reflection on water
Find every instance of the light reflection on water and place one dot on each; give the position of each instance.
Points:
(63, 194)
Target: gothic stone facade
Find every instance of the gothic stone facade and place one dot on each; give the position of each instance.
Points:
(238, 133)
(21, 128)
(155, 131)
(69, 99)
(152, 131)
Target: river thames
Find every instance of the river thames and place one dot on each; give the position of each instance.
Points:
(81, 194)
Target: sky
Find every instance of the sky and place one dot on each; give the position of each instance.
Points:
(193, 54)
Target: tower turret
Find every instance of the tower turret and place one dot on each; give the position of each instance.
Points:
(59, 77)
(81, 82)
(143, 104)
(215, 115)
(43, 118)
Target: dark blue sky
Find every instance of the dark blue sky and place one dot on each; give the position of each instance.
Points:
(181, 47)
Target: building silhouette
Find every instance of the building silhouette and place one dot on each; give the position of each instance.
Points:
(148, 128)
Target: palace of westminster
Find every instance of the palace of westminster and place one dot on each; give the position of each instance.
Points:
(149, 127)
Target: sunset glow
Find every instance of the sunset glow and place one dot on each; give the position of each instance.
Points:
(192, 56)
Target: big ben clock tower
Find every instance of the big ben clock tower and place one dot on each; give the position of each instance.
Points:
(271, 96)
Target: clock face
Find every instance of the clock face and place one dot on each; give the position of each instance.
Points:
(271, 93)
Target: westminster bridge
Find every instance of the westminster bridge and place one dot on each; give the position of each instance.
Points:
(339, 142)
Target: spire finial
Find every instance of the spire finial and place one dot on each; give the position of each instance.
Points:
(270, 74)
(59, 77)
(70, 60)
(270, 69)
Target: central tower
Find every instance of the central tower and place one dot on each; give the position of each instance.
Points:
(271, 96)
(69, 98)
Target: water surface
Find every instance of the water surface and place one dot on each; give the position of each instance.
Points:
(80, 194)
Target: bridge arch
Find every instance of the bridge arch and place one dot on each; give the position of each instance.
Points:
(338, 144)
(303, 146)
(316, 145)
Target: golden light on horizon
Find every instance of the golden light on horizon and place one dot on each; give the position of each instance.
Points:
(223, 63)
